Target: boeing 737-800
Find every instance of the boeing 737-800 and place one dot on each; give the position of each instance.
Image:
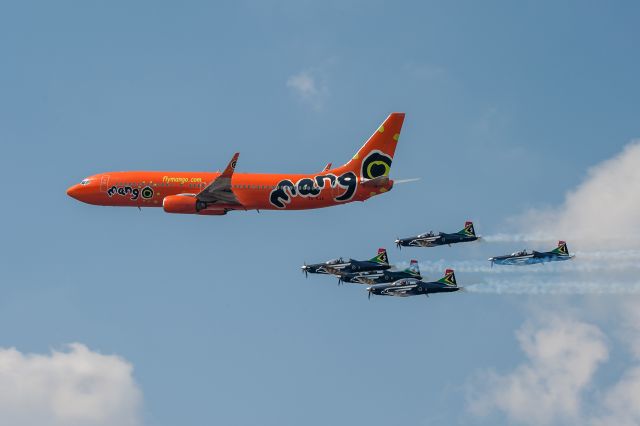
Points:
(214, 193)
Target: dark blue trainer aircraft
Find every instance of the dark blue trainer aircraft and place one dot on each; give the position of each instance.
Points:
(377, 277)
(413, 287)
(430, 239)
(339, 266)
(524, 258)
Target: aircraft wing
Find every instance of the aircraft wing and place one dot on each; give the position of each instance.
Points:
(363, 279)
(219, 191)
(427, 241)
(332, 270)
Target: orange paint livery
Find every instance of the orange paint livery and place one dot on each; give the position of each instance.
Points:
(205, 193)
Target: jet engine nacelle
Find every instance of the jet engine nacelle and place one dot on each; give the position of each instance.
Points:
(180, 204)
(185, 204)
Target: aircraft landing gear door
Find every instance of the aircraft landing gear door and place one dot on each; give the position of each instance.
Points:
(104, 183)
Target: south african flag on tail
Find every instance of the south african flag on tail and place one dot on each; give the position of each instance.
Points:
(381, 257)
(449, 278)
(468, 230)
(561, 250)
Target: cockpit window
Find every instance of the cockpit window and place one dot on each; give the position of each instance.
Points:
(84, 181)
(334, 261)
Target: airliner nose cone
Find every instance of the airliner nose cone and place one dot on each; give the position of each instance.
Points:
(73, 191)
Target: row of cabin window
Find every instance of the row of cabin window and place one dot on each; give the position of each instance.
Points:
(191, 185)
(268, 186)
(197, 185)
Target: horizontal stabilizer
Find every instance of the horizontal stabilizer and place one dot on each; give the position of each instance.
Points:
(380, 181)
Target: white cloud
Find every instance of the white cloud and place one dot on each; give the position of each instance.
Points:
(562, 357)
(602, 211)
(557, 382)
(621, 405)
(72, 387)
(307, 88)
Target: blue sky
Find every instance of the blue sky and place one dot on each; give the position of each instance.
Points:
(508, 105)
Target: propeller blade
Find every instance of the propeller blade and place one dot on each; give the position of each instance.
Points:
(398, 245)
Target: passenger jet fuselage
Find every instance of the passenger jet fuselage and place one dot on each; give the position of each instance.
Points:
(207, 193)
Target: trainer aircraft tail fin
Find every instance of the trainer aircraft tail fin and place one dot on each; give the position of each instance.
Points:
(468, 229)
(413, 268)
(381, 257)
(562, 249)
(449, 278)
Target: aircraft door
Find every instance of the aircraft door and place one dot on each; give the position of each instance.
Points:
(104, 183)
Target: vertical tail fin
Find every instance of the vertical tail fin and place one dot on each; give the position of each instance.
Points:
(468, 229)
(381, 257)
(449, 278)
(413, 268)
(374, 158)
(561, 249)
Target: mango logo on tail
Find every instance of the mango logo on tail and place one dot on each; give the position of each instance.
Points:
(375, 164)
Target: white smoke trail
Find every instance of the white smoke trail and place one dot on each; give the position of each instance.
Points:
(519, 238)
(627, 260)
(525, 286)
(606, 238)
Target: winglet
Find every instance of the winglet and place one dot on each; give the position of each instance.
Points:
(231, 166)
(327, 167)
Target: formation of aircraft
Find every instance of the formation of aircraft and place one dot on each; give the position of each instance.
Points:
(523, 257)
(415, 287)
(214, 193)
(381, 281)
(364, 176)
(430, 239)
(379, 262)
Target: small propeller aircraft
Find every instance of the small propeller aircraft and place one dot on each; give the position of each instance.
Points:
(525, 258)
(338, 266)
(415, 287)
(378, 277)
(430, 239)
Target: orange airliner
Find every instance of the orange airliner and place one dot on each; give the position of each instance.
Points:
(207, 193)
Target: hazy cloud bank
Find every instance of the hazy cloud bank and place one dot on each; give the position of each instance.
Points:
(74, 387)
